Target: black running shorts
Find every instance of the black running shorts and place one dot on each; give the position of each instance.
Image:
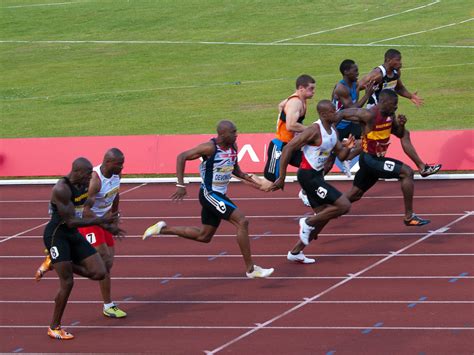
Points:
(215, 207)
(319, 192)
(373, 168)
(66, 244)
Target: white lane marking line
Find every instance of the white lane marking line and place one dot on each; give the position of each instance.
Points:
(199, 86)
(262, 44)
(204, 327)
(344, 281)
(132, 189)
(289, 235)
(243, 198)
(248, 216)
(356, 23)
(239, 302)
(424, 31)
(39, 5)
(26, 231)
(171, 256)
(220, 278)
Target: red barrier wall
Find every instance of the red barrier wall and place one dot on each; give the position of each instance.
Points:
(155, 154)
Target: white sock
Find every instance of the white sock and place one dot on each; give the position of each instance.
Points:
(108, 305)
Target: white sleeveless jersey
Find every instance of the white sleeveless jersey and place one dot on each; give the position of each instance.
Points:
(109, 188)
(315, 156)
(216, 170)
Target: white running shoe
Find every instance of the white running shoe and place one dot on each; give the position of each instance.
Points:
(154, 230)
(259, 272)
(300, 258)
(305, 231)
(303, 197)
(347, 168)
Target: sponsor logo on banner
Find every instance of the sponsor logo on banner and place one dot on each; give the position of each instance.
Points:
(388, 165)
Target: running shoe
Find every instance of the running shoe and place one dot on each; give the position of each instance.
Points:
(416, 221)
(154, 230)
(259, 272)
(305, 231)
(300, 258)
(59, 333)
(430, 170)
(347, 168)
(303, 197)
(114, 312)
(44, 268)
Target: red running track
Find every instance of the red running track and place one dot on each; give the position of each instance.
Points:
(378, 287)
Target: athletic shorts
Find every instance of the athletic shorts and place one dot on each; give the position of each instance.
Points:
(66, 244)
(352, 128)
(215, 207)
(272, 167)
(373, 168)
(319, 192)
(96, 236)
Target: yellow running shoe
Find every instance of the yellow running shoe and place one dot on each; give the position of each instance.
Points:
(114, 312)
(154, 230)
(59, 333)
(44, 268)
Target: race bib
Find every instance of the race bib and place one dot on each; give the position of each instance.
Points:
(54, 252)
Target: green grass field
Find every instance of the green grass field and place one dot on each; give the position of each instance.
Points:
(179, 66)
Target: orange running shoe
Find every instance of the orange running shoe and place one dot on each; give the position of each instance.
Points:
(59, 333)
(44, 268)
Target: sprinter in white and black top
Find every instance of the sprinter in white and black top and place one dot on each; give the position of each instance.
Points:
(317, 142)
(219, 164)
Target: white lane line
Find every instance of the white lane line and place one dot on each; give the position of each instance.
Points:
(221, 327)
(239, 302)
(419, 32)
(344, 281)
(356, 23)
(260, 44)
(290, 235)
(172, 256)
(39, 5)
(235, 278)
(200, 86)
(132, 189)
(248, 216)
(245, 198)
(43, 224)
(26, 231)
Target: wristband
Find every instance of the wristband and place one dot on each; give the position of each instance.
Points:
(179, 185)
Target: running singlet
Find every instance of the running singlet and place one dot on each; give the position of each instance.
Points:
(109, 188)
(282, 133)
(376, 142)
(315, 156)
(217, 169)
(387, 83)
(78, 198)
(339, 106)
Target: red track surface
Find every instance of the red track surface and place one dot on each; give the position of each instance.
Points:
(378, 287)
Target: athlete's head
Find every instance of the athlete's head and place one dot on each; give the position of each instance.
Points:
(113, 161)
(393, 59)
(305, 85)
(227, 132)
(388, 102)
(349, 69)
(81, 171)
(326, 111)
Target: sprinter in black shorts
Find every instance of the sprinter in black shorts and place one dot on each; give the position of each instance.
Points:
(378, 124)
(69, 251)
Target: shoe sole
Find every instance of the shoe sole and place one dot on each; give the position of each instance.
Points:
(112, 316)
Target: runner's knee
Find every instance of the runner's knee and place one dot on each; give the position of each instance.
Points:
(406, 171)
